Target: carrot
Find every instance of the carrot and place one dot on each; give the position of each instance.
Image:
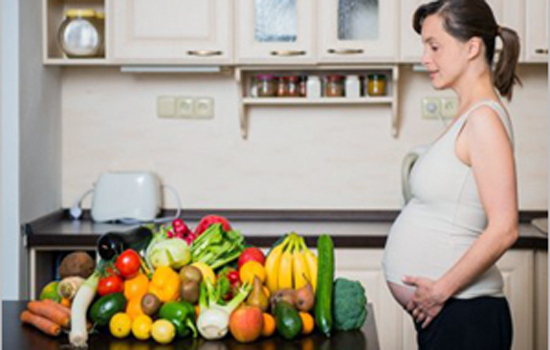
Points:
(59, 306)
(50, 312)
(42, 323)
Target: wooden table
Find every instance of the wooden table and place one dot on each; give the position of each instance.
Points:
(22, 337)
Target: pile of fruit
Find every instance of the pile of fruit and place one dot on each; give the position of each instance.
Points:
(170, 282)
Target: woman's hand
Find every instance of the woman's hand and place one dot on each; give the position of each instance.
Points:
(427, 301)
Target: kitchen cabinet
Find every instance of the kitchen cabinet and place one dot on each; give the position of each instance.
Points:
(536, 38)
(275, 32)
(541, 300)
(507, 13)
(178, 31)
(396, 330)
(357, 31)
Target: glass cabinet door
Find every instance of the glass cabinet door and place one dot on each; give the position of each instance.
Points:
(275, 31)
(357, 30)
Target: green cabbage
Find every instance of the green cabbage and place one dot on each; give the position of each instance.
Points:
(172, 252)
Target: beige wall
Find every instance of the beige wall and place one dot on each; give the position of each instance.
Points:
(295, 157)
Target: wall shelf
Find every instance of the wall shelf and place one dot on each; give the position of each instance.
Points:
(244, 77)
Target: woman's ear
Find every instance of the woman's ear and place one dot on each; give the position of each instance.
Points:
(475, 47)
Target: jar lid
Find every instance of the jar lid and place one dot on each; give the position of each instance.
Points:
(264, 76)
(293, 78)
(100, 15)
(334, 77)
(377, 76)
(80, 13)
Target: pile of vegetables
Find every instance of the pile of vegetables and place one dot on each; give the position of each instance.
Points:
(170, 282)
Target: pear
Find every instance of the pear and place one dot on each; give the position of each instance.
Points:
(257, 296)
(305, 298)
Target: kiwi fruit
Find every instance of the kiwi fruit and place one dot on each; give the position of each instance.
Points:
(190, 292)
(150, 304)
(190, 273)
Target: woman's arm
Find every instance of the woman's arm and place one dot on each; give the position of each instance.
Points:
(489, 152)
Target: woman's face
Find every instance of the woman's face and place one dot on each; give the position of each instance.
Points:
(444, 57)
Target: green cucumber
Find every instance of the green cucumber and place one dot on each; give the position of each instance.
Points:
(325, 277)
(288, 320)
(106, 307)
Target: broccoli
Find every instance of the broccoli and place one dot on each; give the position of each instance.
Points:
(348, 304)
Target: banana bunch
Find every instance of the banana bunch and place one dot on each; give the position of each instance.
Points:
(291, 265)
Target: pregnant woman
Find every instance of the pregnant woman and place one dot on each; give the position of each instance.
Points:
(440, 255)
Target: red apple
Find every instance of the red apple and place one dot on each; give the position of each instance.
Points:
(251, 253)
(246, 323)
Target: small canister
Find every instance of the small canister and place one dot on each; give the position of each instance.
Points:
(313, 88)
(334, 86)
(79, 35)
(265, 85)
(376, 84)
(353, 86)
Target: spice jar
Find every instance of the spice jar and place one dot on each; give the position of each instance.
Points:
(376, 85)
(353, 86)
(293, 85)
(313, 87)
(303, 86)
(282, 87)
(78, 35)
(265, 85)
(334, 86)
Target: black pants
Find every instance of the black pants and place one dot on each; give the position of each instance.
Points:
(483, 323)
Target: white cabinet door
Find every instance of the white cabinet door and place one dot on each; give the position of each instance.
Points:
(357, 31)
(536, 38)
(182, 31)
(541, 300)
(275, 32)
(364, 265)
(517, 270)
(411, 43)
(507, 13)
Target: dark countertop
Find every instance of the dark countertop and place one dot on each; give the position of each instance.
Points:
(22, 337)
(263, 227)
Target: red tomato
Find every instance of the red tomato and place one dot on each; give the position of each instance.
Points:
(249, 254)
(128, 263)
(110, 284)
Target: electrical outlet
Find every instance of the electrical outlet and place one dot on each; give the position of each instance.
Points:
(185, 107)
(449, 107)
(166, 107)
(431, 107)
(204, 107)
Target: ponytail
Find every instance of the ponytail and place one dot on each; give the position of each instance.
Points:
(504, 73)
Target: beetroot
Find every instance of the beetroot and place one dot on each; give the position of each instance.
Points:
(209, 220)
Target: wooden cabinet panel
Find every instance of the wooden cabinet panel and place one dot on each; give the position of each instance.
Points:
(535, 45)
(157, 31)
(357, 31)
(541, 300)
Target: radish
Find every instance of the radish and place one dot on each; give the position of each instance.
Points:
(82, 300)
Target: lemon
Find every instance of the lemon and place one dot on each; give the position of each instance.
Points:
(141, 327)
(206, 271)
(163, 331)
(120, 325)
(250, 269)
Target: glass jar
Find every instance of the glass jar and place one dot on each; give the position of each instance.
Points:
(79, 35)
(303, 86)
(376, 85)
(334, 86)
(293, 86)
(282, 87)
(265, 85)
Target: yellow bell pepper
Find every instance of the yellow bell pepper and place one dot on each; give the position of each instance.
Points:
(165, 284)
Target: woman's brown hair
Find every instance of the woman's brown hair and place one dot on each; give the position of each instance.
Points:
(465, 19)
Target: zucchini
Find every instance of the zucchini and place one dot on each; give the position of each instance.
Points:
(325, 277)
(106, 307)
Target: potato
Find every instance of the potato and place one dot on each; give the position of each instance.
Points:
(77, 264)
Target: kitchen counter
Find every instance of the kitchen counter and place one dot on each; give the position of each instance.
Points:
(349, 229)
(23, 337)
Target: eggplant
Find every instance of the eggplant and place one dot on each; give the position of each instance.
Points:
(112, 244)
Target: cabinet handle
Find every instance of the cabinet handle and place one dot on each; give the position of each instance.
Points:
(542, 51)
(288, 53)
(346, 51)
(204, 53)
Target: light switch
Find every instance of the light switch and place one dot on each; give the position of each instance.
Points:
(204, 107)
(166, 106)
(184, 107)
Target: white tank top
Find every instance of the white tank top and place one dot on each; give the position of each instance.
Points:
(443, 218)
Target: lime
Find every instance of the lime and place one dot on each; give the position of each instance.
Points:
(50, 292)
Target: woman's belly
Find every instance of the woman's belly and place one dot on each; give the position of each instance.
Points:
(403, 294)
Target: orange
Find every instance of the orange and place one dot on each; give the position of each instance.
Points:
(269, 325)
(133, 309)
(250, 269)
(135, 288)
(307, 322)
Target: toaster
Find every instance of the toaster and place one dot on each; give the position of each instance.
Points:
(128, 195)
